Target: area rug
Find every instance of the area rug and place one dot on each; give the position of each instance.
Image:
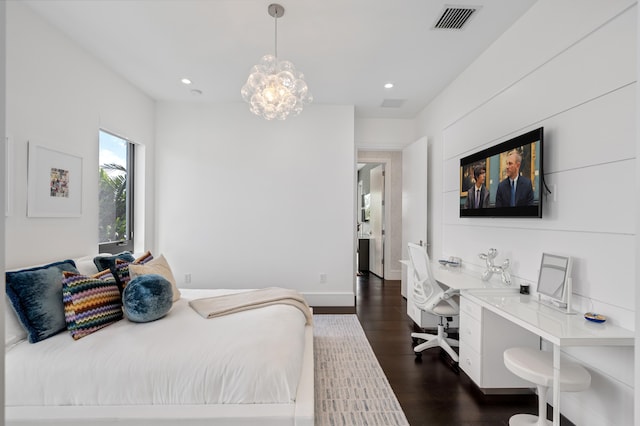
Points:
(350, 386)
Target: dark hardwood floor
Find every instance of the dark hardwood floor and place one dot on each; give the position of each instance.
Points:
(429, 391)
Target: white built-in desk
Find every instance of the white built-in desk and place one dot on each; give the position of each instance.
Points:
(548, 322)
(558, 328)
(461, 279)
(498, 315)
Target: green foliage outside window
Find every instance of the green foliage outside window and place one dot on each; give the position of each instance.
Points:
(113, 203)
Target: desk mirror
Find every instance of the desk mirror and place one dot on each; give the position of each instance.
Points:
(554, 281)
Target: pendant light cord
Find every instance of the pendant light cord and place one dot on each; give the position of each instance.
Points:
(276, 37)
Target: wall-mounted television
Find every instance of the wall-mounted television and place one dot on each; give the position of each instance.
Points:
(505, 179)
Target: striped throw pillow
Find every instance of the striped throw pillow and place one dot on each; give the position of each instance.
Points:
(122, 269)
(90, 302)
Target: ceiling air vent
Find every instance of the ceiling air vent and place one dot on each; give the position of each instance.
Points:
(392, 103)
(454, 17)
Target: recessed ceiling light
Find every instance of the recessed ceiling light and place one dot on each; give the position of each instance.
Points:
(186, 81)
(388, 85)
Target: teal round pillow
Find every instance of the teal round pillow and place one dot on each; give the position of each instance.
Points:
(147, 298)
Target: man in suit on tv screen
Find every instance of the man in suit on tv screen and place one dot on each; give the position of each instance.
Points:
(477, 195)
(514, 190)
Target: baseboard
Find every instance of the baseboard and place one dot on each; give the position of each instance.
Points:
(334, 310)
(330, 299)
(395, 274)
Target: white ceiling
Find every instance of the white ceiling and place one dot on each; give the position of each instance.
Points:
(347, 49)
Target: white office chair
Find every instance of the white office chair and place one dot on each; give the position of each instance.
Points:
(430, 297)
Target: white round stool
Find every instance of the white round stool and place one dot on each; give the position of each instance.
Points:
(537, 366)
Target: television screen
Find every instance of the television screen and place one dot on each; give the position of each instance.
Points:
(504, 180)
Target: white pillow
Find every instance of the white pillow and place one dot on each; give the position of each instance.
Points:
(157, 265)
(14, 332)
(85, 265)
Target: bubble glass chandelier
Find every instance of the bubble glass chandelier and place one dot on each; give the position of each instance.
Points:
(275, 89)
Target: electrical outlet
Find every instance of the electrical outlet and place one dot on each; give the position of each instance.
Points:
(323, 278)
(187, 278)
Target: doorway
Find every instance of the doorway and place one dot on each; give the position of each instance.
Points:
(391, 216)
(405, 202)
(371, 218)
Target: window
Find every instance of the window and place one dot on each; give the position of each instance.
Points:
(115, 224)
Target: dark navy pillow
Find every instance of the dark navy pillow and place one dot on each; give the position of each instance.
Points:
(109, 262)
(147, 298)
(36, 296)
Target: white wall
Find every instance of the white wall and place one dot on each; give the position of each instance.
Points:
(577, 78)
(284, 190)
(58, 96)
(244, 202)
(3, 161)
(384, 134)
(637, 240)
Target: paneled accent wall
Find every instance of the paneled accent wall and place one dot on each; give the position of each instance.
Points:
(582, 90)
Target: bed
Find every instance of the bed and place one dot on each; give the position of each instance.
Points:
(249, 368)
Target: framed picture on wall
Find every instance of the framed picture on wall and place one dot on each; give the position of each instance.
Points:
(54, 183)
(366, 210)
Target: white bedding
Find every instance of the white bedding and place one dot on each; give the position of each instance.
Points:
(250, 357)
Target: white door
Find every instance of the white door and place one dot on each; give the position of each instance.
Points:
(414, 198)
(376, 221)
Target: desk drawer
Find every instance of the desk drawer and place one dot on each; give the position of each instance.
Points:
(470, 363)
(470, 308)
(470, 332)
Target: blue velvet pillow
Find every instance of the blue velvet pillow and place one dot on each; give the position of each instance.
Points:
(147, 298)
(36, 296)
(109, 261)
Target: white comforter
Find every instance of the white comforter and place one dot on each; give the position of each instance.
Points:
(247, 357)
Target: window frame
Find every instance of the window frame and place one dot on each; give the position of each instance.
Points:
(126, 244)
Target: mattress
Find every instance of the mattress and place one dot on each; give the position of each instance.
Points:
(250, 357)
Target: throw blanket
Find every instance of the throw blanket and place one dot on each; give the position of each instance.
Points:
(211, 307)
